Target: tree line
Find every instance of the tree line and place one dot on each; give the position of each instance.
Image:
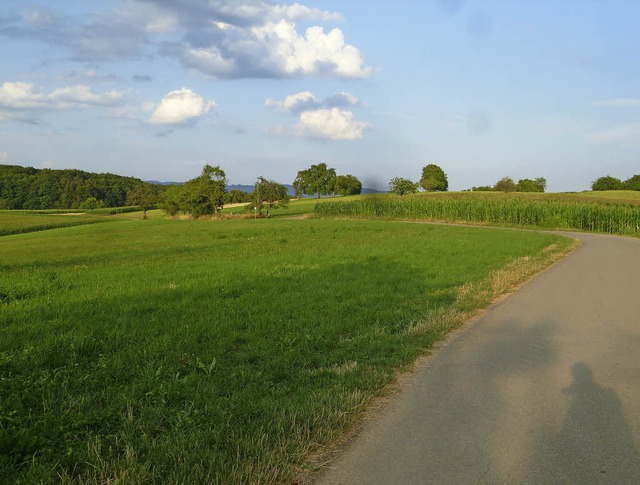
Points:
(36, 189)
(433, 179)
(612, 183)
(507, 184)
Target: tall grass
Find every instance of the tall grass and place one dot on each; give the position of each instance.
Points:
(517, 209)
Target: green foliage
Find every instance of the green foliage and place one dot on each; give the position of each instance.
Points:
(203, 195)
(434, 179)
(236, 196)
(527, 185)
(145, 196)
(348, 185)
(509, 209)
(317, 179)
(607, 183)
(269, 194)
(37, 189)
(505, 184)
(402, 186)
(482, 188)
(189, 352)
(632, 183)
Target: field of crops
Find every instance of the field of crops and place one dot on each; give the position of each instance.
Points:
(550, 211)
(17, 221)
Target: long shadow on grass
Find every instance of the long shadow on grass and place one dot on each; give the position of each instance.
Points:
(210, 382)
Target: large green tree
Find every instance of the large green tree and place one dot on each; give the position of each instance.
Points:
(632, 183)
(204, 195)
(607, 183)
(402, 186)
(348, 185)
(317, 179)
(434, 179)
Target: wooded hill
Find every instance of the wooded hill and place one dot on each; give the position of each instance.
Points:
(35, 189)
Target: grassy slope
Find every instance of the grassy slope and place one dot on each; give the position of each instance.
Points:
(205, 351)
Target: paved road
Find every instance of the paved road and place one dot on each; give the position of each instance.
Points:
(544, 389)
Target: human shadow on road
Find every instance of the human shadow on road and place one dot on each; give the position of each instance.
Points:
(595, 444)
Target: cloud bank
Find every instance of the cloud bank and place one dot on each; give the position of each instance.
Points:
(219, 38)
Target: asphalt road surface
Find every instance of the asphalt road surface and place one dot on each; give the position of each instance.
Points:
(543, 389)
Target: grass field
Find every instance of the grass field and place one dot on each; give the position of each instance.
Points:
(168, 351)
(17, 222)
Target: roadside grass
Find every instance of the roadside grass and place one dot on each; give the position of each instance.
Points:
(168, 351)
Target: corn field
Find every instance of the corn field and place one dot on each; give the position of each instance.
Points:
(16, 222)
(549, 212)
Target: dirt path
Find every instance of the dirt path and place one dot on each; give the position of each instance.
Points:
(543, 389)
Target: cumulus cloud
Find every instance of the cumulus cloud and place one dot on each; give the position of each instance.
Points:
(180, 107)
(222, 38)
(334, 124)
(621, 102)
(321, 119)
(25, 102)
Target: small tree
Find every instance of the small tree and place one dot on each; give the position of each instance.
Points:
(348, 185)
(270, 194)
(434, 179)
(607, 183)
(402, 186)
(146, 196)
(505, 184)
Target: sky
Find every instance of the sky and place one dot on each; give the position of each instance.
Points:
(485, 89)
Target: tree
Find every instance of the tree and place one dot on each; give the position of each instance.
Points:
(317, 179)
(434, 179)
(205, 194)
(270, 194)
(236, 196)
(146, 196)
(632, 183)
(348, 185)
(505, 184)
(402, 186)
(528, 185)
(607, 183)
(482, 188)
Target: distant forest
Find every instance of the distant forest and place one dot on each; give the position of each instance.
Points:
(36, 189)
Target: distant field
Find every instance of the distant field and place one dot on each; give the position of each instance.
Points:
(612, 213)
(222, 351)
(16, 222)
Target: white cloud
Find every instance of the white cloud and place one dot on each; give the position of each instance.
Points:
(292, 54)
(622, 102)
(25, 102)
(333, 124)
(306, 101)
(321, 119)
(221, 38)
(180, 107)
(618, 134)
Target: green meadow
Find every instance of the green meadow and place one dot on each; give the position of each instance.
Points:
(226, 351)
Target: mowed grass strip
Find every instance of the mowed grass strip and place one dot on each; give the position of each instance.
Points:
(223, 351)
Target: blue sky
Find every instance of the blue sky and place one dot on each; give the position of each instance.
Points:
(157, 88)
